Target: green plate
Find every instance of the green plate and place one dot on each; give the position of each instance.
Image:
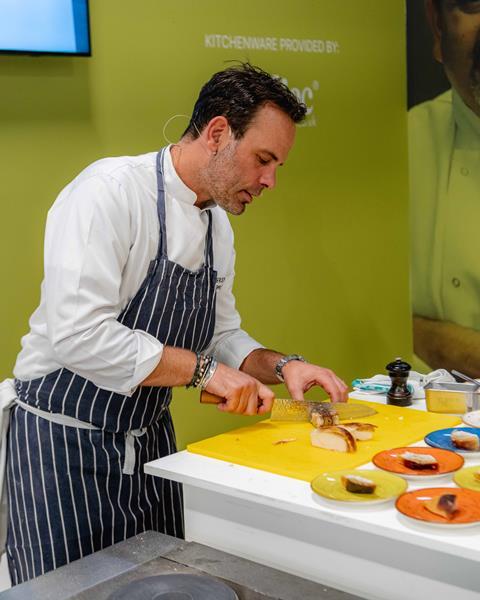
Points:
(329, 485)
(465, 479)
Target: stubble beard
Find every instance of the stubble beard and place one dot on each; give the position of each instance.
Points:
(220, 178)
(475, 75)
(476, 95)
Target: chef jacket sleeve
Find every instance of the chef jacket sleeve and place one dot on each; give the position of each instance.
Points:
(87, 242)
(230, 343)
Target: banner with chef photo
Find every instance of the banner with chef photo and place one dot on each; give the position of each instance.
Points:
(444, 149)
(322, 260)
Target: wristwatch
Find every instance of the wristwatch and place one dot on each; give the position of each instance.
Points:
(283, 361)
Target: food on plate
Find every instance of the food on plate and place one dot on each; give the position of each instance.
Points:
(445, 505)
(465, 440)
(323, 416)
(360, 431)
(419, 461)
(358, 485)
(476, 475)
(333, 438)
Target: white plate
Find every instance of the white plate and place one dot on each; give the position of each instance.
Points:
(472, 418)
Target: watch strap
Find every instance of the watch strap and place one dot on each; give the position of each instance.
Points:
(283, 361)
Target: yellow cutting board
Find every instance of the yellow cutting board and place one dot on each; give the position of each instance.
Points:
(256, 447)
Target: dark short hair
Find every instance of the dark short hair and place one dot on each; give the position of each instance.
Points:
(237, 93)
(440, 3)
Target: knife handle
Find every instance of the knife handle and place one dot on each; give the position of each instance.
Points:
(207, 398)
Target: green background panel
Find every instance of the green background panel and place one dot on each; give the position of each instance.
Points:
(322, 260)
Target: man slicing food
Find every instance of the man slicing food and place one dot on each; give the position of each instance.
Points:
(136, 300)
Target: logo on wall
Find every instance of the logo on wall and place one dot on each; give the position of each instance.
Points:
(305, 94)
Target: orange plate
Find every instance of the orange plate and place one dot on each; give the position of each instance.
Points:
(411, 504)
(389, 460)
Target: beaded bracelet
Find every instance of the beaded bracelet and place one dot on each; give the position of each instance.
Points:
(207, 361)
(195, 372)
(201, 368)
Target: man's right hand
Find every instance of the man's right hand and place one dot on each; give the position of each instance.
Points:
(244, 395)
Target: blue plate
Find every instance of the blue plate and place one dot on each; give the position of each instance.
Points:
(441, 439)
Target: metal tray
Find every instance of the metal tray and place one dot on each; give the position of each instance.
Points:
(452, 398)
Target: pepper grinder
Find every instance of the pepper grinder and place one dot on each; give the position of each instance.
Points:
(399, 394)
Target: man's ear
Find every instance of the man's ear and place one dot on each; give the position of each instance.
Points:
(216, 132)
(434, 19)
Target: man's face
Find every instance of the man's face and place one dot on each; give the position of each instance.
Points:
(458, 48)
(245, 167)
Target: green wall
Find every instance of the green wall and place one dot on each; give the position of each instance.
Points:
(322, 265)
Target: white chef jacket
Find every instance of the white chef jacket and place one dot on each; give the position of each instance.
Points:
(444, 148)
(101, 234)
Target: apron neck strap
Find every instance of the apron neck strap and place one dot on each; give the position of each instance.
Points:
(162, 244)
(209, 242)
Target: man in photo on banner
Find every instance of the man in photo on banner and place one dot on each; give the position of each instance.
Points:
(444, 141)
(136, 300)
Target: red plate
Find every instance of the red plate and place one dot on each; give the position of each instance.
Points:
(390, 460)
(412, 504)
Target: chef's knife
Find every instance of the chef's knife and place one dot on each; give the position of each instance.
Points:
(300, 410)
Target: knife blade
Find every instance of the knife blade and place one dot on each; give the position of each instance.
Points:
(300, 410)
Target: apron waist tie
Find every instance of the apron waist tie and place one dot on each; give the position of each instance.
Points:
(59, 419)
(129, 461)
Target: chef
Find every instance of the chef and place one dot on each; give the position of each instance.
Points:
(444, 191)
(137, 299)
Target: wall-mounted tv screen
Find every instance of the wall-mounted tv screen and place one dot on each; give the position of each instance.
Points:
(45, 26)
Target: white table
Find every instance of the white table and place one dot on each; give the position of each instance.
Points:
(278, 521)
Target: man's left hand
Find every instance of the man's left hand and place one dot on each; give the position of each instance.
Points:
(300, 377)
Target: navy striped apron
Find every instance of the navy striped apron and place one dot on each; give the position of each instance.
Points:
(69, 495)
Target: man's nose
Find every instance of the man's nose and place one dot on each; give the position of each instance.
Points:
(268, 179)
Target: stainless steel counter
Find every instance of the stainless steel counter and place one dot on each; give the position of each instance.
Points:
(98, 576)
